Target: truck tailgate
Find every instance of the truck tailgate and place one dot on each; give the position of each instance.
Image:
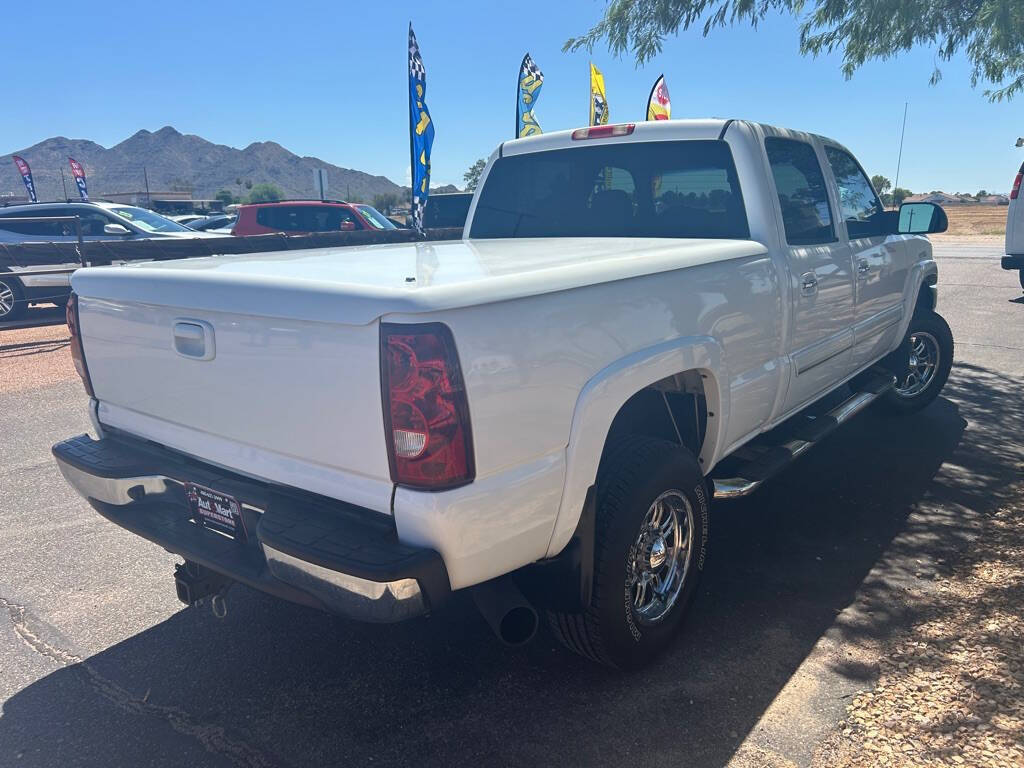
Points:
(288, 400)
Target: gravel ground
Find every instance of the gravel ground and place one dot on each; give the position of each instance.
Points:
(33, 358)
(949, 693)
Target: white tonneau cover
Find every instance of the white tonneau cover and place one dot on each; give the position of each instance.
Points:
(403, 278)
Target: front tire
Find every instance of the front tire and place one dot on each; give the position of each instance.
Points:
(931, 358)
(1020, 274)
(12, 304)
(649, 551)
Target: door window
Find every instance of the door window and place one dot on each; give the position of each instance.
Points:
(861, 209)
(40, 229)
(94, 221)
(803, 195)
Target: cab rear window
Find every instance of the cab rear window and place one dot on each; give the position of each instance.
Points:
(637, 189)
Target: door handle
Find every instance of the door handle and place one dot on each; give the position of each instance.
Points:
(808, 284)
(863, 268)
(194, 338)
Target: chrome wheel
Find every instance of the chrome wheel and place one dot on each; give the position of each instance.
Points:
(924, 361)
(659, 560)
(7, 299)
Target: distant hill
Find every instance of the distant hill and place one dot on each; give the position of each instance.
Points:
(177, 161)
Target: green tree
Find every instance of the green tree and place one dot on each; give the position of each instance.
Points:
(982, 193)
(900, 194)
(265, 193)
(989, 32)
(385, 202)
(472, 176)
(881, 183)
(226, 196)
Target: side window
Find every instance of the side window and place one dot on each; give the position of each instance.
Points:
(40, 229)
(803, 195)
(282, 218)
(93, 223)
(340, 218)
(858, 202)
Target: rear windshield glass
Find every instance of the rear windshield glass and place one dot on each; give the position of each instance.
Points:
(447, 210)
(648, 189)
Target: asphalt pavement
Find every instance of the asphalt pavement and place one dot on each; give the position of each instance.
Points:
(100, 665)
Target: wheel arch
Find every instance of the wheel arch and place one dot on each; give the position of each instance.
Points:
(688, 361)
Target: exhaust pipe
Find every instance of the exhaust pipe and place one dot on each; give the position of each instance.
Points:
(506, 610)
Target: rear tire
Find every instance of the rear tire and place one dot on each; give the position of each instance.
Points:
(931, 359)
(649, 551)
(12, 300)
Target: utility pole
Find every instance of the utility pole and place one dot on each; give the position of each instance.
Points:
(63, 183)
(899, 159)
(149, 200)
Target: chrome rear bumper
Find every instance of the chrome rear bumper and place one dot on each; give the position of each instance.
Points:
(307, 549)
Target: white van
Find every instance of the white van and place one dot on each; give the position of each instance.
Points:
(1014, 258)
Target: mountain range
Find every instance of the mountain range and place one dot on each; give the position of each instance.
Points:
(174, 161)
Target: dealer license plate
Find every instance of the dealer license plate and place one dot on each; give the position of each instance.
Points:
(215, 510)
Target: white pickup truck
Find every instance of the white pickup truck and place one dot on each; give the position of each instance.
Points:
(638, 319)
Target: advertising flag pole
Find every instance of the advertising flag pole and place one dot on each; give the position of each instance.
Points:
(899, 159)
(62, 182)
(519, 78)
(412, 149)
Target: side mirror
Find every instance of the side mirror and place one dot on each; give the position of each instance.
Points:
(922, 219)
(115, 229)
(348, 226)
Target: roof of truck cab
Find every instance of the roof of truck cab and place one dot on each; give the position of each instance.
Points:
(710, 128)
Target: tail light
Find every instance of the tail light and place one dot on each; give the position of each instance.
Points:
(603, 131)
(426, 415)
(1016, 183)
(77, 352)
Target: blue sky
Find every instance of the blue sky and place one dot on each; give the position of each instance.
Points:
(328, 79)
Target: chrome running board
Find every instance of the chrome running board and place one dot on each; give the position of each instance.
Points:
(764, 461)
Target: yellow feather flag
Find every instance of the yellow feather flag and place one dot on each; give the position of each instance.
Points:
(598, 101)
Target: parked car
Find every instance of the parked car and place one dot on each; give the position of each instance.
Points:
(99, 221)
(187, 219)
(300, 217)
(642, 318)
(447, 210)
(217, 222)
(1014, 258)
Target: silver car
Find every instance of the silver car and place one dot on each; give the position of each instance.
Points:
(99, 221)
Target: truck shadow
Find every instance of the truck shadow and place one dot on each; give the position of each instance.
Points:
(884, 503)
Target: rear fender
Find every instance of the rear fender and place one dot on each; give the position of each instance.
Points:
(603, 396)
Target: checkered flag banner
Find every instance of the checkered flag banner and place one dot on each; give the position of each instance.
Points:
(416, 69)
(416, 212)
(528, 87)
(421, 133)
(529, 68)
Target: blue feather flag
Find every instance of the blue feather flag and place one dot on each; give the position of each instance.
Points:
(421, 132)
